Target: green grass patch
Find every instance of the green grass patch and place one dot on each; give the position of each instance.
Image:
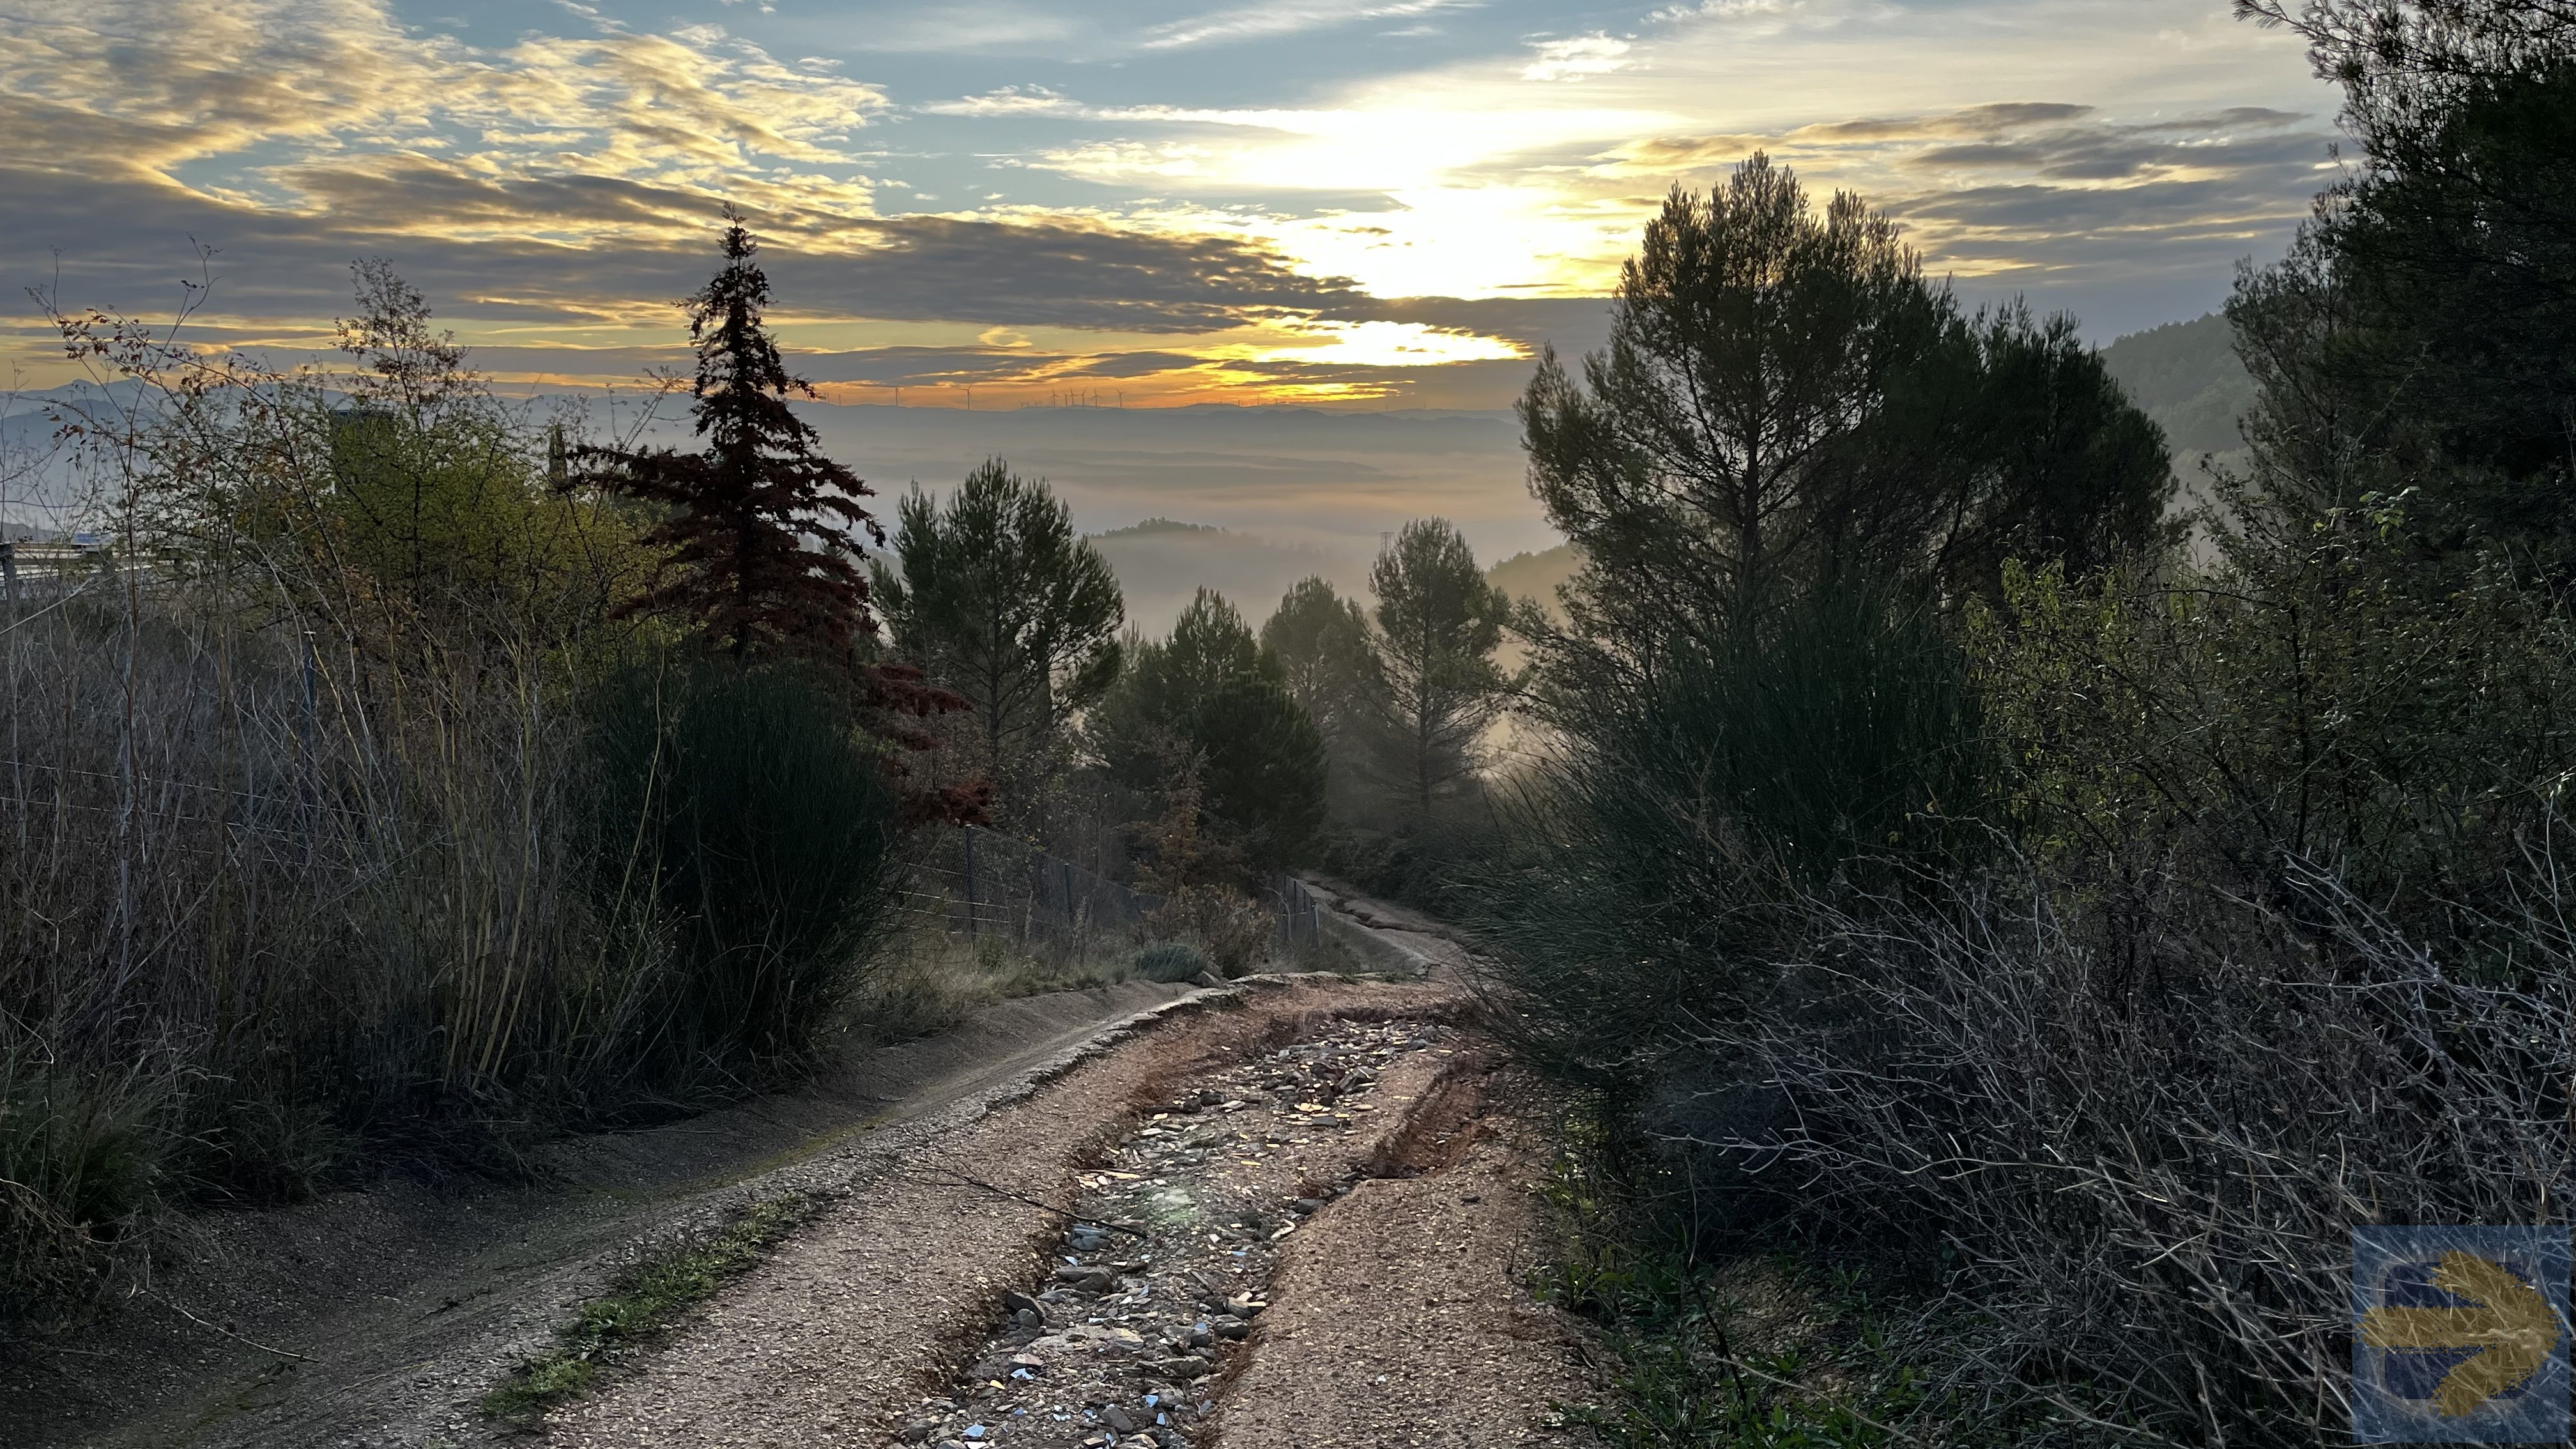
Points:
(643, 1303)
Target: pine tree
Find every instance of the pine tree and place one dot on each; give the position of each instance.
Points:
(1439, 623)
(1002, 601)
(744, 509)
(1211, 691)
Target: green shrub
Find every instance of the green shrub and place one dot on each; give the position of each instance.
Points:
(1169, 961)
(1655, 862)
(751, 812)
(2342, 702)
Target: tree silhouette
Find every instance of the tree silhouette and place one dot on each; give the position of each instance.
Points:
(745, 508)
(1439, 623)
(1212, 693)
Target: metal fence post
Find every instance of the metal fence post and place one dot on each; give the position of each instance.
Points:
(309, 796)
(970, 882)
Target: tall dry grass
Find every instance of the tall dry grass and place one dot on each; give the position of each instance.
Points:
(307, 868)
(270, 910)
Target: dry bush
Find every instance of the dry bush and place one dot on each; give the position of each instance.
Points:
(260, 916)
(1233, 929)
(2149, 1132)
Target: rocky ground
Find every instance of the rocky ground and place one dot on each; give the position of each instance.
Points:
(1165, 1270)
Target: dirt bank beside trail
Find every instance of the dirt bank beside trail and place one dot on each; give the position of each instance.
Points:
(1398, 1317)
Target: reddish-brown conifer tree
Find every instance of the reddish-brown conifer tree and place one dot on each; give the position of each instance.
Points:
(746, 507)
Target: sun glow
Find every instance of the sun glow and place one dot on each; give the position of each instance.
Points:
(1387, 344)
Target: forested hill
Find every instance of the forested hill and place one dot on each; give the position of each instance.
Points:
(2186, 376)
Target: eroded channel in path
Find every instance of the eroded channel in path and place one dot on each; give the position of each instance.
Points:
(1153, 1290)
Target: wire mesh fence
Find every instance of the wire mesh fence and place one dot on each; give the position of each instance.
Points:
(975, 882)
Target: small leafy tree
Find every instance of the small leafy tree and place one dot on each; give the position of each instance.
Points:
(434, 495)
(1212, 692)
(1439, 623)
(745, 509)
(1002, 601)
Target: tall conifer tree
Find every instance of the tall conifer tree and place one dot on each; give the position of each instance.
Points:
(745, 507)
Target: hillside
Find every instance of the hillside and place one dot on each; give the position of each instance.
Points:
(1534, 576)
(2186, 376)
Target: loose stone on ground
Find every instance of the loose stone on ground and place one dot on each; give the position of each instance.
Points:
(1162, 1276)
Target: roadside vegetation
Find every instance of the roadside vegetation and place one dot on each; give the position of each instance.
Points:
(411, 776)
(1997, 920)
(2054, 933)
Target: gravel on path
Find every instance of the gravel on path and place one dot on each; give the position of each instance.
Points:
(1398, 1316)
(838, 1338)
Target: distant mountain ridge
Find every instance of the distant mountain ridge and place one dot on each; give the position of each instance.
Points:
(2187, 377)
(1535, 576)
(1161, 563)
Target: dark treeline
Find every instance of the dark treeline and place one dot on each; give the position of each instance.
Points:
(2054, 919)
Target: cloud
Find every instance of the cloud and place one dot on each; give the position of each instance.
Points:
(1574, 58)
(549, 180)
(1722, 10)
(2043, 141)
(1031, 100)
(1060, 273)
(2060, 198)
(1985, 120)
(268, 99)
(1284, 17)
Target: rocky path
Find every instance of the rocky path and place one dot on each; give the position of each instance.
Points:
(1293, 1222)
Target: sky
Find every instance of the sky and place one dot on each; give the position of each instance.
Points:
(997, 204)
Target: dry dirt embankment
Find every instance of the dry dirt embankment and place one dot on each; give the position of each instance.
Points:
(1327, 1188)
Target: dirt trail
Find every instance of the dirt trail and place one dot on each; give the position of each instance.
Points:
(392, 1310)
(840, 1337)
(1328, 1183)
(1331, 1186)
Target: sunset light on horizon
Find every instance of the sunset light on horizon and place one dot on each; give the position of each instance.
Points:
(1370, 202)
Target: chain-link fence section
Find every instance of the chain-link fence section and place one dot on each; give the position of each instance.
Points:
(974, 882)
